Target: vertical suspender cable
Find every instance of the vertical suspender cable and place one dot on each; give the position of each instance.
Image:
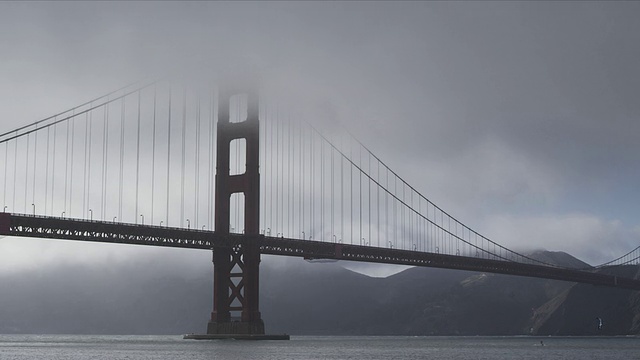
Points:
(272, 176)
(73, 136)
(53, 167)
(281, 172)
(312, 181)
(26, 175)
(310, 140)
(89, 162)
(121, 178)
(35, 168)
(15, 173)
(182, 165)
(291, 206)
(402, 210)
(214, 151)
(66, 167)
(289, 179)
(342, 194)
(279, 167)
(153, 152)
(6, 154)
(84, 166)
(302, 177)
(411, 220)
(351, 189)
(378, 204)
(263, 165)
(105, 158)
(46, 177)
(168, 158)
(332, 194)
(267, 174)
(449, 245)
(386, 208)
(395, 214)
(441, 234)
(197, 169)
(277, 172)
(210, 160)
(360, 189)
(321, 189)
(418, 221)
(137, 160)
(216, 121)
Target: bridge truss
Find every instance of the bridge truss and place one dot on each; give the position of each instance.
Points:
(117, 233)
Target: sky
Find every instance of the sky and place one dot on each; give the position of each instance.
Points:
(518, 118)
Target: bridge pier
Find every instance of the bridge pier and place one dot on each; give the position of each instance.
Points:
(236, 288)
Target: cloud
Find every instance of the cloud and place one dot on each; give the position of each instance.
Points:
(525, 109)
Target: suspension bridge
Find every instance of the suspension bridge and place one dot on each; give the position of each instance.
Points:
(217, 169)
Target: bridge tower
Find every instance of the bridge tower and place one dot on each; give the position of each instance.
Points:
(236, 270)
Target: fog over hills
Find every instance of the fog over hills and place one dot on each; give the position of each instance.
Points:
(297, 297)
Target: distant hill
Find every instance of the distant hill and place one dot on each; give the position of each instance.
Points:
(417, 301)
(559, 258)
(297, 297)
(575, 310)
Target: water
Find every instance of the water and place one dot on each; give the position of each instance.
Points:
(70, 347)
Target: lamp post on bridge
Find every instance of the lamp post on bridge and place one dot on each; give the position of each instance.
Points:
(91, 214)
(188, 224)
(142, 216)
(34, 208)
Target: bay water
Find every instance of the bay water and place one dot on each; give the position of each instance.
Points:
(99, 347)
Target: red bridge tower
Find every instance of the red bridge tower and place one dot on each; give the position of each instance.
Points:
(236, 270)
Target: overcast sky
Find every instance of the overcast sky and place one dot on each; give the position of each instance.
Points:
(521, 119)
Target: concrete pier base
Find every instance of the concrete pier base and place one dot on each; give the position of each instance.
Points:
(235, 337)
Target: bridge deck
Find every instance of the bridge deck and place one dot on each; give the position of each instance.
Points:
(110, 232)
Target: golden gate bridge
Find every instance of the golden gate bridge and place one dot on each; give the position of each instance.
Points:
(227, 170)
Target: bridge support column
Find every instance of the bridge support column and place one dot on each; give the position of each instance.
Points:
(236, 270)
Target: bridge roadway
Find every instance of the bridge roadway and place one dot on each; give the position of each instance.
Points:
(112, 232)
